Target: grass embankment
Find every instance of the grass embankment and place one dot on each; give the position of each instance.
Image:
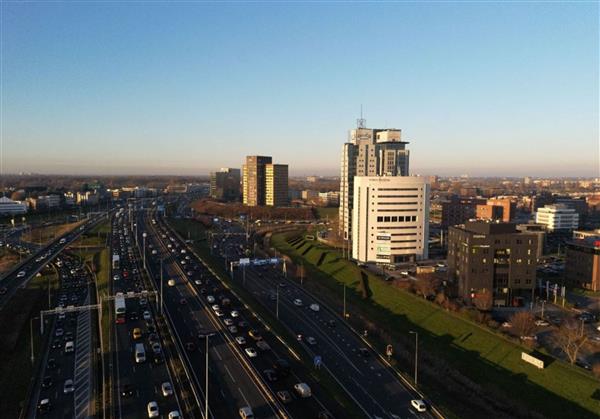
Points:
(327, 213)
(494, 363)
(16, 369)
(8, 259)
(196, 232)
(45, 234)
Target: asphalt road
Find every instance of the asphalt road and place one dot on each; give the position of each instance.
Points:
(143, 380)
(57, 365)
(362, 374)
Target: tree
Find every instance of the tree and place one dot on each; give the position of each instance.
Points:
(483, 300)
(424, 287)
(569, 337)
(523, 323)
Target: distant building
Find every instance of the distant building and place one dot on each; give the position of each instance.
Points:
(309, 195)
(254, 180)
(557, 218)
(489, 212)
(583, 234)
(87, 198)
(176, 189)
(329, 199)
(312, 179)
(390, 219)
(582, 263)
(225, 184)
(488, 256)
(508, 207)
(276, 185)
(457, 210)
(45, 202)
(10, 207)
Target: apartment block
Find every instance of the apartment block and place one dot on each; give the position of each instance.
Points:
(254, 180)
(276, 185)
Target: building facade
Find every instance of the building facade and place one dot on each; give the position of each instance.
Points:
(508, 206)
(254, 180)
(225, 184)
(10, 207)
(276, 185)
(488, 256)
(582, 264)
(457, 210)
(390, 219)
(557, 218)
(368, 152)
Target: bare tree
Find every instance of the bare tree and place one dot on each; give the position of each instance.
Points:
(424, 287)
(523, 323)
(483, 300)
(569, 337)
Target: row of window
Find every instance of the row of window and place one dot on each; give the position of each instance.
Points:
(397, 219)
(397, 196)
(396, 210)
(397, 203)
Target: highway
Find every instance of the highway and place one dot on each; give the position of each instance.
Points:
(373, 386)
(59, 366)
(135, 384)
(22, 273)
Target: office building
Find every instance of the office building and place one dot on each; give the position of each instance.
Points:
(225, 184)
(508, 207)
(390, 219)
(10, 207)
(368, 152)
(582, 263)
(254, 180)
(276, 185)
(488, 256)
(488, 212)
(557, 218)
(329, 199)
(540, 231)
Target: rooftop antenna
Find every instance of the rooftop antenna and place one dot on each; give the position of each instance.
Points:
(361, 122)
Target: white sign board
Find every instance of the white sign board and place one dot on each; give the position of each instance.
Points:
(245, 261)
(532, 360)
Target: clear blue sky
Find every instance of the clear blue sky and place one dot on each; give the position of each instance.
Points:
(184, 88)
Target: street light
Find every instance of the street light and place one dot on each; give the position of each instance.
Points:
(277, 303)
(206, 336)
(416, 353)
(31, 337)
(144, 246)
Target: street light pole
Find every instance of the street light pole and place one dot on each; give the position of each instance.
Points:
(144, 246)
(416, 354)
(344, 285)
(206, 376)
(277, 303)
(31, 338)
(161, 288)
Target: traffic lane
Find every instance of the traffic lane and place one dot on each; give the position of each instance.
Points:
(242, 389)
(317, 322)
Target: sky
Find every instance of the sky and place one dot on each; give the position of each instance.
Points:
(478, 88)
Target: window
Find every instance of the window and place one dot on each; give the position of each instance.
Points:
(386, 219)
(394, 219)
(379, 219)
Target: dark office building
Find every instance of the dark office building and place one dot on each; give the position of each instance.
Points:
(225, 184)
(460, 209)
(582, 267)
(484, 256)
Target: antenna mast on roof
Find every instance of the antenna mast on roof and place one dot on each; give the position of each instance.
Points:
(361, 122)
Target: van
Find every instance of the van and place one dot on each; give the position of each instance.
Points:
(140, 353)
(303, 390)
(69, 347)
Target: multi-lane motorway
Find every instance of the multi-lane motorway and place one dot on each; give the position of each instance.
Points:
(323, 332)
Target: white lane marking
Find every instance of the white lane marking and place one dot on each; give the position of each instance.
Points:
(229, 372)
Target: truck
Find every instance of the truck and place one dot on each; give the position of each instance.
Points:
(115, 261)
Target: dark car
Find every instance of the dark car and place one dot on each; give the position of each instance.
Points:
(159, 359)
(56, 343)
(271, 375)
(51, 364)
(190, 346)
(364, 352)
(133, 316)
(127, 390)
(47, 382)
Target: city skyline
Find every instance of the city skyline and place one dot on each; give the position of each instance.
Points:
(482, 89)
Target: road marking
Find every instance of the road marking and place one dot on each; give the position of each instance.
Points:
(229, 372)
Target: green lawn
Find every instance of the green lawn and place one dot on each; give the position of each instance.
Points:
(327, 212)
(560, 390)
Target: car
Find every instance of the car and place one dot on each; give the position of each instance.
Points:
(143, 301)
(246, 412)
(190, 346)
(44, 406)
(21, 274)
(254, 334)
(419, 405)
(282, 285)
(228, 322)
(251, 352)
(127, 391)
(198, 282)
(243, 324)
(215, 307)
(147, 315)
(303, 390)
(210, 299)
(183, 301)
(174, 414)
(171, 282)
(167, 389)
(152, 409)
(47, 382)
(232, 329)
(542, 323)
(314, 307)
(270, 374)
(311, 340)
(235, 313)
(56, 343)
(116, 277)
(156, 348)
(262, 345)
(284, 396)
(506, 324)
(136, 333)
(159, 359)
(298, 302)
(240, 340)
(69, 347)
(219, 313)
(68, 387)
(51, 364)
(58, 332)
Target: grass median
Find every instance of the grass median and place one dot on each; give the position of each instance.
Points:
(197, 233)
(494, 363)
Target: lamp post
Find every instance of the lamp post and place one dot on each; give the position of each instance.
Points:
(416, 354)
(206, 336)
(344, 285)
(277, 303)
(161, 288)
(31, 337)
(144, 246)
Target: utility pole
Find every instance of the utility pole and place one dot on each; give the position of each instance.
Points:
(161, 288)
(416, 354)
(344, 285)
(277, 303)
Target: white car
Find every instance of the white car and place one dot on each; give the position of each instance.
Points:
(153, 410)
(315, 307)
(215, 307)
(21, 274)
(68, 387)
(419, 405)
(210, 299)
(311, 340)
(251, 352)
(240, 340)
(171, 282)
(198, 282)
(233, 329)
(235, 313)
(542, 323)
(298, 302)
(219, 313)
(167, 389)
(246, 413)
(147, 315)
(228, 322)
(174, 414)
